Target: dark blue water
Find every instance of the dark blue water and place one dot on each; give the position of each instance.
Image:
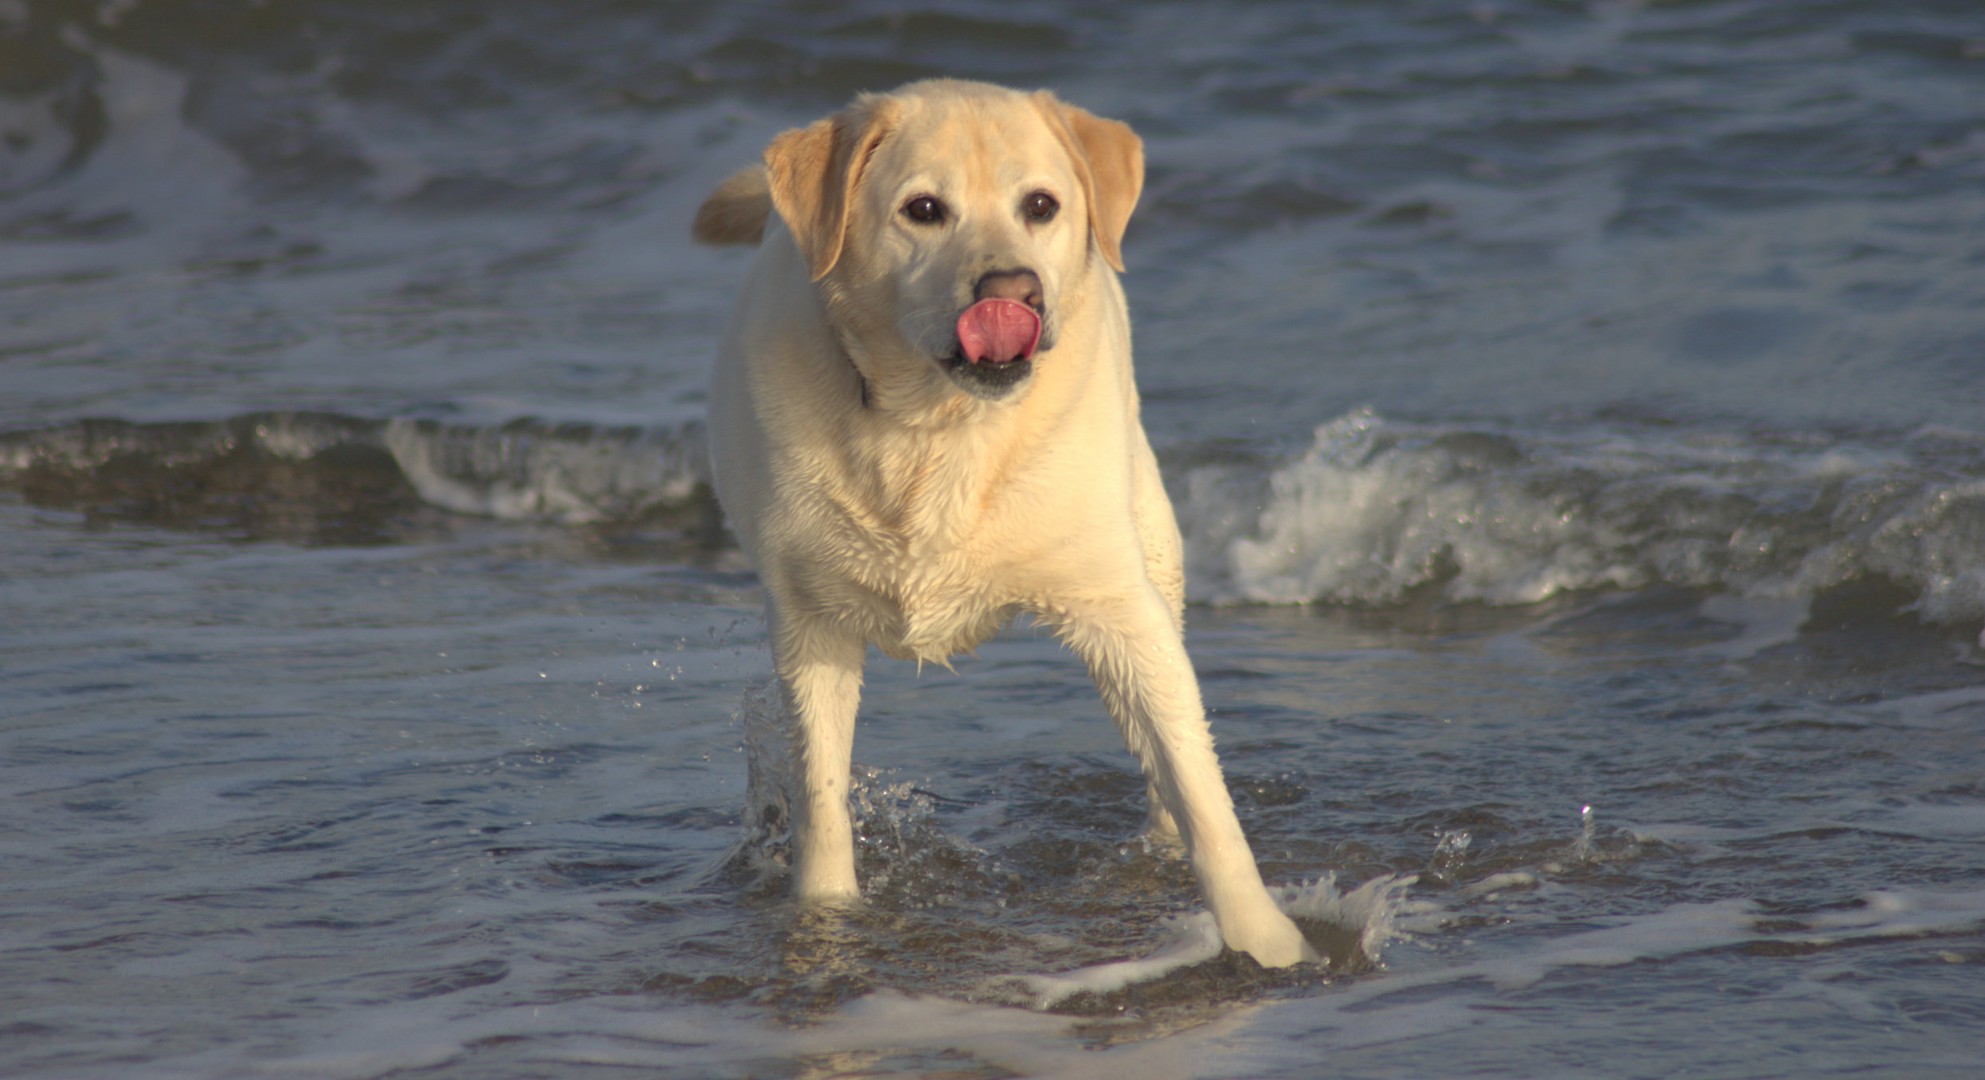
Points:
(1572, 412)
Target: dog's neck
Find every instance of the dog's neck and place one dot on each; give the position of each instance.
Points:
(892, 455)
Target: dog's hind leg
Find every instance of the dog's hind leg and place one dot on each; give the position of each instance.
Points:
(1164, 556)
(1159, 828)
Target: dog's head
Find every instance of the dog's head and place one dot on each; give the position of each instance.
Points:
(949, 225)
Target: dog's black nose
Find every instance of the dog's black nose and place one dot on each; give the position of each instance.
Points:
(1021, 285)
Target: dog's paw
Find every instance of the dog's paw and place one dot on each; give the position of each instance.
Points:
(1273, 942)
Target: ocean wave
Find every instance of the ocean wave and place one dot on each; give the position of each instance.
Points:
(569, 473)
(333, 478)
(1373, 512)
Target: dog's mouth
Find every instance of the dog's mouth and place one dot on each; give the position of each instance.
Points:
(998, 331)
(997, 338)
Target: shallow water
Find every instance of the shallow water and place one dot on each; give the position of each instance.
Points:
(1572, 412)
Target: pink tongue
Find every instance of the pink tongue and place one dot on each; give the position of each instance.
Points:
(998, 330)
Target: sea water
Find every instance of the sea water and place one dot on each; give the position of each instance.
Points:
(1572, 412)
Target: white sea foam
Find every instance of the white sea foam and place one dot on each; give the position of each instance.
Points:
(1361, 518)
(1195, 939)
(1373, 511)
(535, 472)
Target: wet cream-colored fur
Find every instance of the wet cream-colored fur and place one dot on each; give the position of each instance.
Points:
(884, 503)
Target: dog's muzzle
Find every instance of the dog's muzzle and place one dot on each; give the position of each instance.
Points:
(998, 334)
(998, 331)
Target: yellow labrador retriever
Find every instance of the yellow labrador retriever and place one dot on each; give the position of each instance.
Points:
(922, 422)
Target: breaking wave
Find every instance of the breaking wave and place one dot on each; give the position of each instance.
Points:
(1372, 512)
(1375, 512)
(321, 476)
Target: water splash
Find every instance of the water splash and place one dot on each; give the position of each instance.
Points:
(766, 845)
(1581, 848)
(1450, 850)
(904, 858)
(1370, 914)
(1350, 929)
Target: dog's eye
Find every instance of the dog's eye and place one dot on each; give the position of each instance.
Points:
(924, 210)
(1040, 206)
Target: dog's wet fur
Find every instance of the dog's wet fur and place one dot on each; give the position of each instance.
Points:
(893, 491)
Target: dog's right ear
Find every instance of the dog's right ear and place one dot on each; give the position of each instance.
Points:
(812, 172)
(735, 213)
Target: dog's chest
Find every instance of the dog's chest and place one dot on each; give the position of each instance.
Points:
(916, 564)
(923, 542)
(916, 601)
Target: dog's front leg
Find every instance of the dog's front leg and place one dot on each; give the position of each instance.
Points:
(820, 670)
(1135, 654)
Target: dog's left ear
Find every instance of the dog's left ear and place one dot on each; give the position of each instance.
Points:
(1109, 160)
(813, 170)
